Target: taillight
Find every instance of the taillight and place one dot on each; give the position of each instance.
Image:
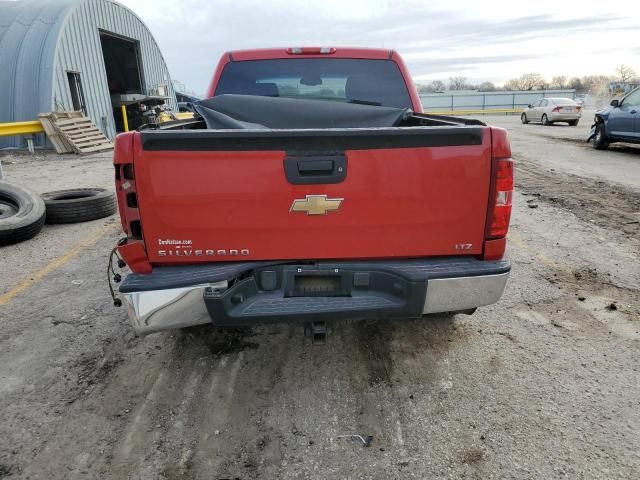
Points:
(132, 249)
(501, 212)
(501, 194)
(557, 109)
(123, 163)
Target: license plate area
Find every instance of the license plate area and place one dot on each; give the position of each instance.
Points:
(317, 284)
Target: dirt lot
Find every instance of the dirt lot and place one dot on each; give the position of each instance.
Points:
(544, 384)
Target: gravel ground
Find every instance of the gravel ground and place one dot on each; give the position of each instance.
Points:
(544, 384)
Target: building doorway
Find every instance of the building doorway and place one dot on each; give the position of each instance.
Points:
(124, 73)
(77, 93)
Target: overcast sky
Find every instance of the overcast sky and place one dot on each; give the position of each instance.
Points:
(479, 39)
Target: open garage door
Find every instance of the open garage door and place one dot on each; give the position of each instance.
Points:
(123, 67)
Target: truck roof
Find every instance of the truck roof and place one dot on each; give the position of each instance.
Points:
(292, 52)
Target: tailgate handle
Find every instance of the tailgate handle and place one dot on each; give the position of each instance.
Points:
(315, 169)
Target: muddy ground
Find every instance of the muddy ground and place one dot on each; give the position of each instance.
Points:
(544, 384)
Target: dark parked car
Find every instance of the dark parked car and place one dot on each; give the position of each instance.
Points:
(620, 122)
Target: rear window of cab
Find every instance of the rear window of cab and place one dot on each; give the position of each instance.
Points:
(365, 81)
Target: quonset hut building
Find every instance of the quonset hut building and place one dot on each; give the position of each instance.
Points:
(74, 55)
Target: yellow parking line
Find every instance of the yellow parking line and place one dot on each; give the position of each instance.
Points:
(55, 264)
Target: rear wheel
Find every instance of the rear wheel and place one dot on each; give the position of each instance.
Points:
(524, 118)
(545, 120)
(600, 141)
(573, 123)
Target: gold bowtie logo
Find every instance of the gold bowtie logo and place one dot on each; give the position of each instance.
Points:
(316, 204)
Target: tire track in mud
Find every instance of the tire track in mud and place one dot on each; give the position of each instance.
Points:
(374, 341)
(277, 411)
(148, 440)
(235, 438)
(191, 403)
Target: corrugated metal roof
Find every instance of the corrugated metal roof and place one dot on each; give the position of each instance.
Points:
(29, 30)
(40, 40)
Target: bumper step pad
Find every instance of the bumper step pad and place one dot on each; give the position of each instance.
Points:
(265, 307)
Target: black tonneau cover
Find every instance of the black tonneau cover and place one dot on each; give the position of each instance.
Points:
(255, 112)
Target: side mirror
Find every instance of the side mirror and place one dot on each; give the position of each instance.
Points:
(529, 106)
(615, 103)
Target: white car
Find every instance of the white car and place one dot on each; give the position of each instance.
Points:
(551, 110)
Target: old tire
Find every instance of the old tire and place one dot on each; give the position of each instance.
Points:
(79, 205)
(545, 120)
(600, 141)
(22, 213)
(524, 119)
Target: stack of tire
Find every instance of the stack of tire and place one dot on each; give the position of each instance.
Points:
(23, 212)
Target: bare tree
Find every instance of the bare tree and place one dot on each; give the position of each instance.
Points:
(432, 87)
(560, 81)
(438, 86)
(512, 84)
(625, 73)
(487, 87)
(529, 81)
(576, 83)
(458, 83)
(526, 81)
(595, 82)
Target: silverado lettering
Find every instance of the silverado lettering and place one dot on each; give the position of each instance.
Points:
(199, 253)
(349, 202)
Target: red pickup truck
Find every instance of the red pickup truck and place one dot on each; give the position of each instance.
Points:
(310, 187)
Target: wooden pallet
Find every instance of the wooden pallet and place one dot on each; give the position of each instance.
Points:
(73, 132)
(58, 141)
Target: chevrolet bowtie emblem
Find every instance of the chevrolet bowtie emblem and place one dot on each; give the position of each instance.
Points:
(316, 204)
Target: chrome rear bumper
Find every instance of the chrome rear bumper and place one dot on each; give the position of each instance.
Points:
(156, 310)
(463, 293)
(169, 308)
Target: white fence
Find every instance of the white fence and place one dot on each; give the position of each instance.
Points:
(503, 100)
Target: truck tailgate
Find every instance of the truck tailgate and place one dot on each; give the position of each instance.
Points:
(226, 195)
